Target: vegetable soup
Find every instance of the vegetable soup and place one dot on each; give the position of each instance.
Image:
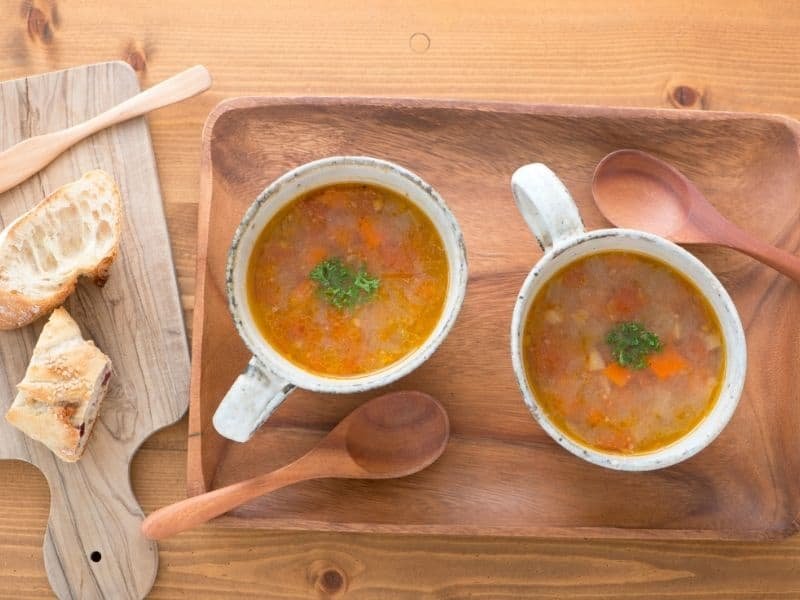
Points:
(624, 354)
(347, 279)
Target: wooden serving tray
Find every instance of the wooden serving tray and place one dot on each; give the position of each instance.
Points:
(501, 474)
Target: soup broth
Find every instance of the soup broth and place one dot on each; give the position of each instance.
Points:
(623, 353)
(347, 279)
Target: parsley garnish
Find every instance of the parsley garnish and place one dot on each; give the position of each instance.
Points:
(342, 286)
(630, 343)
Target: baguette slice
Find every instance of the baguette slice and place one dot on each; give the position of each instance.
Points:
(59, 398)
(74, 231)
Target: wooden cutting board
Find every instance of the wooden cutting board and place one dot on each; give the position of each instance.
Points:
(501, 473)
(93, 547)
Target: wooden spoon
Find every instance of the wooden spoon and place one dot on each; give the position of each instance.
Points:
(637, 190)
(22, 160)
(390, 436)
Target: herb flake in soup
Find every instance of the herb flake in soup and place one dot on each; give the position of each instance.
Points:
(623, 353)
(347, 279)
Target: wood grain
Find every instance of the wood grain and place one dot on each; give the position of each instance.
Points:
(388, 437)
(487, 482)
(93, 547)
(661, 53)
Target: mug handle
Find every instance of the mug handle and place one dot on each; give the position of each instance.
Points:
(253, 397)
(546, 205)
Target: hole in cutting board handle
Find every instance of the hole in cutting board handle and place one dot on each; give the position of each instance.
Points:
(96, 556)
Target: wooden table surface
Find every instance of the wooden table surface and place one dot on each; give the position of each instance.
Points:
(740, 56)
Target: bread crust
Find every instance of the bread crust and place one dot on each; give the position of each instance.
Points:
(60, 395)
(18, 308)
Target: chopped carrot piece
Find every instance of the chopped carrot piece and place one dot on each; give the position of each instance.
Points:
(595, 417)
(369, 233)
(667, 363)
(618, 374)
(625, 302)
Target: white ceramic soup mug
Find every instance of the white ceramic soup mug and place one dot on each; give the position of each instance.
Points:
(270, 377)
(551, 214)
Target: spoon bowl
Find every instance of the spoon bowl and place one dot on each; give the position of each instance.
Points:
(390, 436)
(636, 190)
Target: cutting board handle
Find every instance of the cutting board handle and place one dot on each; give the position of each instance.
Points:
(93, 547)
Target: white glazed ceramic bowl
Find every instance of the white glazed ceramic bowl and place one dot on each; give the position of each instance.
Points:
(269, 373)
(551, 214)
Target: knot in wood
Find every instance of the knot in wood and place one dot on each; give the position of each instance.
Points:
(684, 96)
(39, 26)
(331, 581)
(135, 56)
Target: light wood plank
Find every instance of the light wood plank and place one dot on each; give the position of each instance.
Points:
(738, 56)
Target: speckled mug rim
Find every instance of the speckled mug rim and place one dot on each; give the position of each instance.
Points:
(273, 361)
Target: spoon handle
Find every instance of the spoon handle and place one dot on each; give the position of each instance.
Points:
(30, 156)
(185, 84)
(194, 511)
(780, 260)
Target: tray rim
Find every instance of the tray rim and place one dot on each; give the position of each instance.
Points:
(195, 483)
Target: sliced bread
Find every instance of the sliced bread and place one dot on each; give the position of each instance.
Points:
(73, 232)
(59, 398)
